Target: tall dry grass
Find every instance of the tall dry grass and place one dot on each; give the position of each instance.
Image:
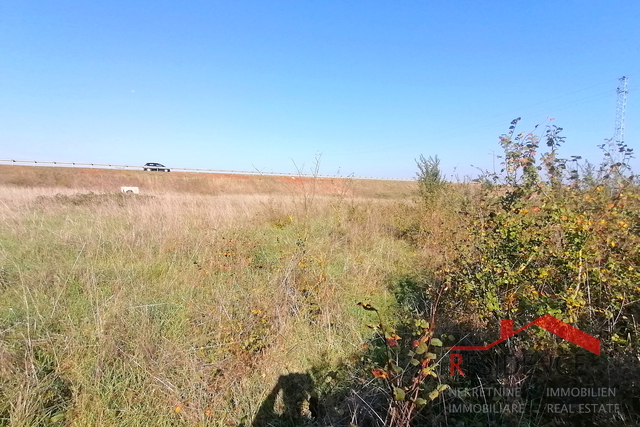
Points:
(180, 309)
(198, 183)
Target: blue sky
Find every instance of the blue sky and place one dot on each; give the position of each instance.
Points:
(369, 85)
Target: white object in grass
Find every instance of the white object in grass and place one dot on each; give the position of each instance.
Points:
(134, 190)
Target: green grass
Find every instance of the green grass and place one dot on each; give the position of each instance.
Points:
(180, 309)
(185, 309)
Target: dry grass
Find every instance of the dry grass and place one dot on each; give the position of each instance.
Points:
(198, 183)
(180, 309)
(188, 308)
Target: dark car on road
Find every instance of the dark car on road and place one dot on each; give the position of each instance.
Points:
(156, 167)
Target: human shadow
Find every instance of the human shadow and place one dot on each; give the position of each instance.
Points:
(295, 390)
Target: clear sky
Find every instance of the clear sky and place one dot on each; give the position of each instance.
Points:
(368, 84)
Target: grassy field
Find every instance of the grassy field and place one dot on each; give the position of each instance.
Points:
(198, 183)
(183, 308)
(216, 300)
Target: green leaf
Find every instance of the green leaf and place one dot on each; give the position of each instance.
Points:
(430, 356)
(57, 417)
(443, 387)
(434, 395)
(422, 348)
(436, 342)
(398, 394)
(420, 402)
(414, 362)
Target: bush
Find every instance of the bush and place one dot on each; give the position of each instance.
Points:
(547, 235)
(552, 244)
(430, 179)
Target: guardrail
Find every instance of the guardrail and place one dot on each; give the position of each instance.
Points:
(137, 167)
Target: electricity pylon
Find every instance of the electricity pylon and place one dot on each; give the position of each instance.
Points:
(618, 136)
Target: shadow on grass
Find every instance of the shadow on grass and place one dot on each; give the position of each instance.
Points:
(509, 385)
(294, 391)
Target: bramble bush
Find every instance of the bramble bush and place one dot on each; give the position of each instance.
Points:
(543, 235)
(553, 236)
(409, 366)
